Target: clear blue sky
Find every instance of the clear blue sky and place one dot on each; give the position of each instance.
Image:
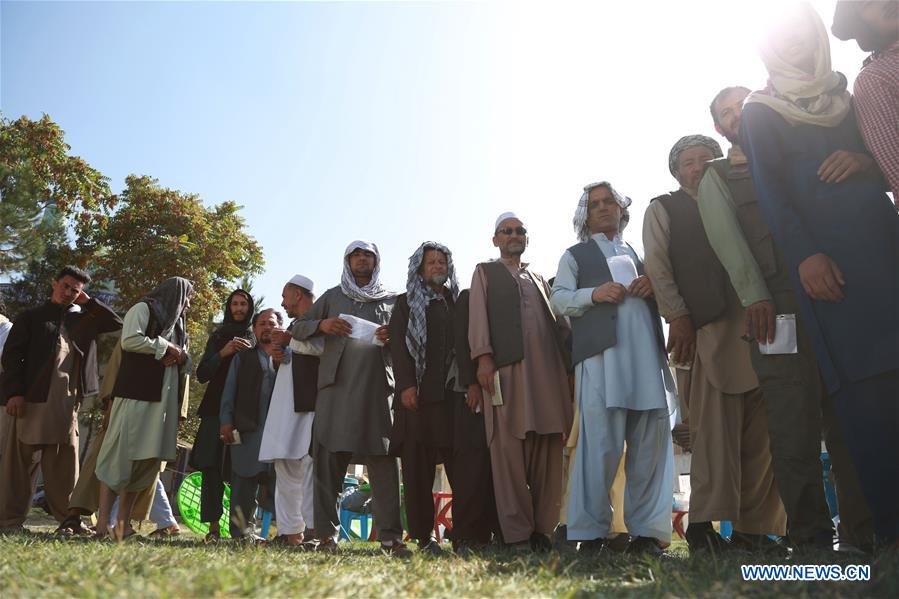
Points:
(394, 122)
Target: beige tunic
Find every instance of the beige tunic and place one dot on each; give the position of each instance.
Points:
(535, 390)
(724, 354)
(54, 421)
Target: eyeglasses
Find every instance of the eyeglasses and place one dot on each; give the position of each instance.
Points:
(510, 230)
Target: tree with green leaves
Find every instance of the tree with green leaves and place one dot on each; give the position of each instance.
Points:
(37, 176)
(158, 233)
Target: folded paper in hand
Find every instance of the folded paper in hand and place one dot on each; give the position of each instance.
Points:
(363, 330)
(497, 398)
(784, 336)
(623, 269)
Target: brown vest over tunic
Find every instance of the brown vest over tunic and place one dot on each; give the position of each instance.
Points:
(504, 316)
(140, 375)
(700, 277)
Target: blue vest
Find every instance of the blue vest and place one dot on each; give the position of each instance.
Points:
(594, 332)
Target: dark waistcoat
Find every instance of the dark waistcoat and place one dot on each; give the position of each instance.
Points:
(305, 381)
(594, 331)
(756, 232)
(140, 375)
(504, 316)
(249, 387)
(700, 278)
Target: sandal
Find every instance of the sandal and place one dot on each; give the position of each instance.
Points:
(72, 526)
(169, 531)
(212, 537)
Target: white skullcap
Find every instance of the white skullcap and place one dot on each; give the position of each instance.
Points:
(301, 281)
(502, 217)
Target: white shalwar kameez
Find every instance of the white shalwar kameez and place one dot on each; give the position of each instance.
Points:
(285, 441)
(624, 394)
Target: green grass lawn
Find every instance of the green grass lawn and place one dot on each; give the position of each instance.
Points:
(39, 565)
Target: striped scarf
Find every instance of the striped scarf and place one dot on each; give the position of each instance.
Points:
(419, 295)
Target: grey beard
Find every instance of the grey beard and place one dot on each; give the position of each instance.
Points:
(436, 280)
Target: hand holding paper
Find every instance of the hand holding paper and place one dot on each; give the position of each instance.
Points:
(363, 330)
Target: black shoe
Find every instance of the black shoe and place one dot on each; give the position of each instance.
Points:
(540, 542)
(701, 537)
(430, 548)
(645, 546)
(592, 547)
(758, 544)
(619, 543)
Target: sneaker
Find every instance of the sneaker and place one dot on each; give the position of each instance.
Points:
(645, 546)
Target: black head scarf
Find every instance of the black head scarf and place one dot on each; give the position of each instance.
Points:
(230, 327)
(167, 303)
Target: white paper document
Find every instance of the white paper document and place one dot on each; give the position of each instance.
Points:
(623, 269)
(497, 398)
(784, 336)
(363, 330)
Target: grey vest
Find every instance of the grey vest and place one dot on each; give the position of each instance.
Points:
(594, 331)
(700, 278)
(756, 232)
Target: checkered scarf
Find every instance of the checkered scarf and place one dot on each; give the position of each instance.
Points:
(580, 215)
(691, 141)
(373, 291)
(419, 295)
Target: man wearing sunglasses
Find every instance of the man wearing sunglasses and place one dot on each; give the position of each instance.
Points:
(522, 362)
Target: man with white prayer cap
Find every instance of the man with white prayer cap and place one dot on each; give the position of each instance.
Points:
(355, 393)
(731, 475)
(522, 363)
(287, 438)
(623, 386)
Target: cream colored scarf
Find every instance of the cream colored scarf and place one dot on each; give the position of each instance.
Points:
(800, 98)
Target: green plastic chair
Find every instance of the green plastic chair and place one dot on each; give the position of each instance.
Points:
(189, 506)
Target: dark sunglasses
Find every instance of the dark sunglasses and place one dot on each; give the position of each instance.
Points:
(510, 230)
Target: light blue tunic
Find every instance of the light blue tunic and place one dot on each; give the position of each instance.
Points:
(625, 395)
(631, 374)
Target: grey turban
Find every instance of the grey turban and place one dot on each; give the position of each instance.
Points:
(691, 141)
